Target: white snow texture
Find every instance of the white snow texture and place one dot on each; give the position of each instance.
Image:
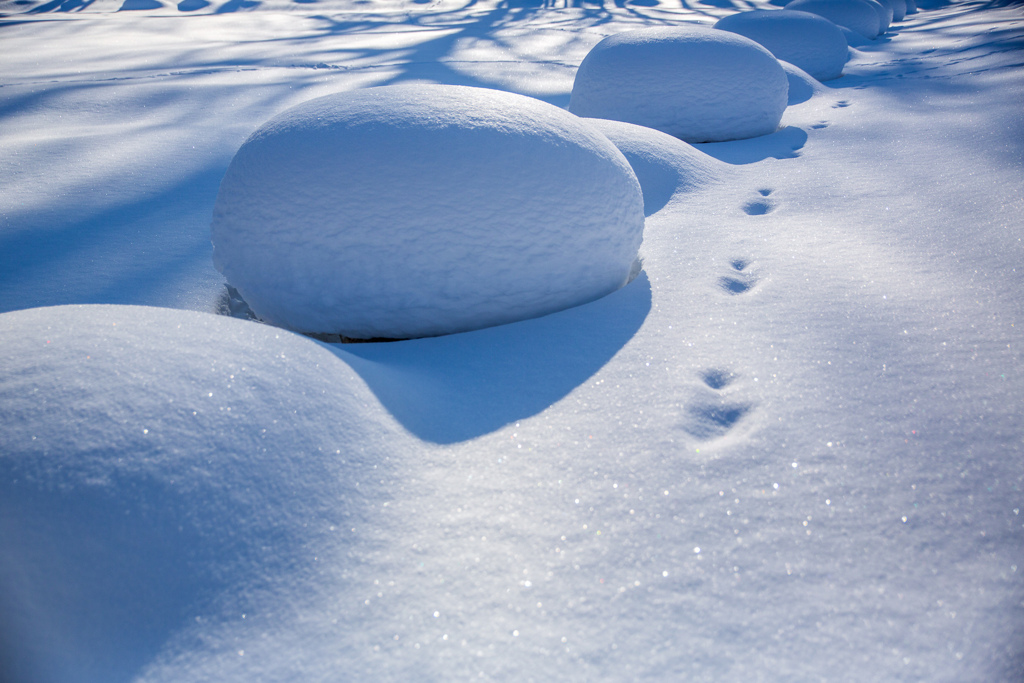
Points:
(806, 40)
(664, 165)
(409, 211)
(130, 433)
(857, 15)
(690, 81)
(885, 13)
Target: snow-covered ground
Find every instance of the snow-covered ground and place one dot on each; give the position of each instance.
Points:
(791, 449)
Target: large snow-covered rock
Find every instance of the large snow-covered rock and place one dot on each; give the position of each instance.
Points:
(154, 462)
(690, 81)
(899, 9)
(857, 15)
(807, 40)
(885, 13)
(664, 165)
(419, 210)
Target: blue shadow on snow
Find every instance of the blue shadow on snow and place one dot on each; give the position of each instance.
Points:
(782, 144)
(461, 386)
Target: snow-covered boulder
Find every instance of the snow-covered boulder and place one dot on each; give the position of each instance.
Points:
(899, 9)
(153, 462)
(857, 15)
(885, 13)
(806, 40)
(690, 81)
(409, 211)
(663, 164)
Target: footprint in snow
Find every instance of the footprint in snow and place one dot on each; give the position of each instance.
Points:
(841, 103)
(711, 420)
(717, 378)
(712, 415)
(740, 279)
(761, 205)
(819, 125)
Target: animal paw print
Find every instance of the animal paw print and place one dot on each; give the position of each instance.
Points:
(740, 279)
(760, 205)
(712, 415)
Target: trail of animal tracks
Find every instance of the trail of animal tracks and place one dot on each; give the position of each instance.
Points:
(790, 449)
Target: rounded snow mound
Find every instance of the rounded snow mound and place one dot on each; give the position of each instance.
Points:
(154, 461)
(885, 13)
(899, 9)
(857, 15)
(664, 165)
(802, 85)
(806, 40)
(410, 211)
(693, 82)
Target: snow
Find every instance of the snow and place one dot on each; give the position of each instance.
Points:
(885, 13)
(417, 210)
(664, 165)
(159, 454)
(899, 9)
(789, 449)
(689, 81)
(806, 40)
(859, 16)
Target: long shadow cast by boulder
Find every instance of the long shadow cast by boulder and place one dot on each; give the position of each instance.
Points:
(458, 387)
(783, 144)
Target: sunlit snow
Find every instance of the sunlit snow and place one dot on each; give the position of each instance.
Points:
(790, 449)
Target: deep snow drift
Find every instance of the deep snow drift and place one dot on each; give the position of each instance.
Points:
(806, 40)
(697, 84)
(789, 450)
(413, 211)
(160, 454)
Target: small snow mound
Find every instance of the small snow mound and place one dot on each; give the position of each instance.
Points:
(806, 40)
(664, 165)
(857, 15)
(802, 86)
(410, 211)
(689, 81)
(153, 462)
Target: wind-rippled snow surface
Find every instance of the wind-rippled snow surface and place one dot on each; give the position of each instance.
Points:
(789, 450)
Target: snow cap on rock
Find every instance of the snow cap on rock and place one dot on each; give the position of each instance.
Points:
(806, 40)
(885, 13)
(690, 81)
(418, 210)
(899, 9)
(857, 15)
